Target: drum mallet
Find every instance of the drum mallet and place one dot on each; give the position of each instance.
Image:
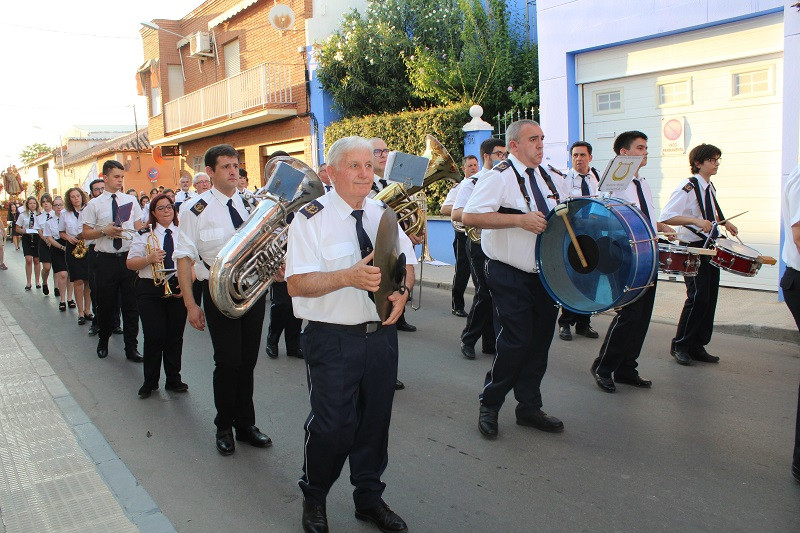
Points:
(561, 210)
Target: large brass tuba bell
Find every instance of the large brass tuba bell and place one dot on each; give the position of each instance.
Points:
(396, 196)
(243, 270)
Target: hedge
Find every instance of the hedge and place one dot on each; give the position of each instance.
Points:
(406, 132)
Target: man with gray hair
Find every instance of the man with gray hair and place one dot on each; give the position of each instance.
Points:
(509, 204)
(201, 182)
(350, 354)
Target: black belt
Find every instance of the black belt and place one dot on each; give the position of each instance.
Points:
(114, 254)
(364, 327)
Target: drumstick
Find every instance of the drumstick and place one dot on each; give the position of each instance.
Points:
(562, 210)
(721, 222)
(666, 233)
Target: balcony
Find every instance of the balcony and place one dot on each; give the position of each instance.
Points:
(263, 86)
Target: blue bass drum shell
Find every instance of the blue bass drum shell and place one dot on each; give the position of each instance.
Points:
(620, 248)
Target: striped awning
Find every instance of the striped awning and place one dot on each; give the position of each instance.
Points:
(241, 6)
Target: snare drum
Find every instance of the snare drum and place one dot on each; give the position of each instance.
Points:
(619, 246)
(736, 258)
(675, 259)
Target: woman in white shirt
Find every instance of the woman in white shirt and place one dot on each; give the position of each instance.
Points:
(26, 226)
(57, 247)
(78, 268)
(44, 247)
(163, 317)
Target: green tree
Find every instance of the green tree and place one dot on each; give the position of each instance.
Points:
(32, 151)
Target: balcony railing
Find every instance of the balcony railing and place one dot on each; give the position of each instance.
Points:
(258, 87)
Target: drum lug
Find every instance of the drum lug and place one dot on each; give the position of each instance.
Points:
(628, 289)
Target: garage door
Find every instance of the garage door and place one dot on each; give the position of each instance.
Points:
(734, 104)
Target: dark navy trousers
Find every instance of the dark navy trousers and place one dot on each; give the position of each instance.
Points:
(351, 378)
(524, 321)
(480, 323)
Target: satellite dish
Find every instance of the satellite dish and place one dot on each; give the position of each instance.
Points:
(281, 17)
(157, 157)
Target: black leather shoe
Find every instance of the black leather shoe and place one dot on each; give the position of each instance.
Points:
(81, 321)
(146, 390)
(92, 331)
(703, 356)
(56, 292)
(587, 332)
(294, 352)
(45, 289)
(399, 385)
(487, 422)
(459, 312)
(405, 326)
(254, 436)
(102, 349)
(383, 517)
(315, 519)
(564, 334)
(272, 351)
(178, 386)
(605, 384)
(117, 331)
(467, 351)
(681, 356)
(542, 421)
(636, 381)
(225, 444)
(134, 356)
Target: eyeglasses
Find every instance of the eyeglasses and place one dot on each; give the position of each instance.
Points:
(498, 153)
(165, 208)
(377, 152)
(715, 160)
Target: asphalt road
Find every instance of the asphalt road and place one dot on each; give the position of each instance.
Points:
(707, 448)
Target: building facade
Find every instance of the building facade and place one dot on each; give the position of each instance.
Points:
(684, 73)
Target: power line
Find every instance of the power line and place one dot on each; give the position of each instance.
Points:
(69, 32)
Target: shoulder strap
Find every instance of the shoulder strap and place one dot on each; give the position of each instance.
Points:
(699, 196)
(594, 171)
(550, 185)
(521, 183)
(716, 204)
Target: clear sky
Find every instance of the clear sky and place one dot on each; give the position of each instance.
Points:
(71, 63)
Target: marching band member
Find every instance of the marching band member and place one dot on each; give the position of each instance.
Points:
(625, 337)
(183, 194)
(790, 281)
(694, 203)
(351, 357)
(509, 204)
(581, 180)
(282, 320)
(57, 247)
(322, 172)
(13, 214)
(207, 222)
(201, 184)
(244, 192)
(104, 218)
(480, 320)
(163, 318)
(77, 268)
(26, 225)
(46, 201)
(461, 274)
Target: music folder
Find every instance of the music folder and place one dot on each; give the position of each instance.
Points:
(406, 169)
(619, 173)
(285, 181)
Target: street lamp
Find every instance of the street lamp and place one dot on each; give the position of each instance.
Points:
(154, 26)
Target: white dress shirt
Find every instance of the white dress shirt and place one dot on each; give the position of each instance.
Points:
(181, 196)
(42, 219)
(496, 189)
(630, 195)
(790, 207)
(326, 241)
(50, 227)
(683, 203)
(139, 245)
(378, 183)
(24, 221)
(450, 199)
(203, 231)
(573, 181)
(98, 213)
(466, 189)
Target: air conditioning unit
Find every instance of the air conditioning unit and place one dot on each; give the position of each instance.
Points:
(200, 45)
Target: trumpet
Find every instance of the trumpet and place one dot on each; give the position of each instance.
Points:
(127, 234)
(161, 275)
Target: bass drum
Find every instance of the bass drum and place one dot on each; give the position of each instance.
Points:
(620, 248)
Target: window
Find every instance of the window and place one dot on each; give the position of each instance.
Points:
(175, 81)
(608, 101)
(155, 101)
(675, 93)
(198, 164)
(231, 54)
(752, 83)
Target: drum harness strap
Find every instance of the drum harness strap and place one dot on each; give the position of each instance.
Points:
(696, 187)
(521, 182)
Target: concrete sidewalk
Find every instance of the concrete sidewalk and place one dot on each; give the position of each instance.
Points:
(57, 472)
(744, 312)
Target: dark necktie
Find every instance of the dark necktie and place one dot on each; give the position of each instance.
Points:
(364, 241)
(642, 201)
(584, 186)
(168, 248)
(709, 209)
(30, 223)
(383, 183)
(541, 204)
(48, 216)
(114, 209)
(327, 188)
(236, 218)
